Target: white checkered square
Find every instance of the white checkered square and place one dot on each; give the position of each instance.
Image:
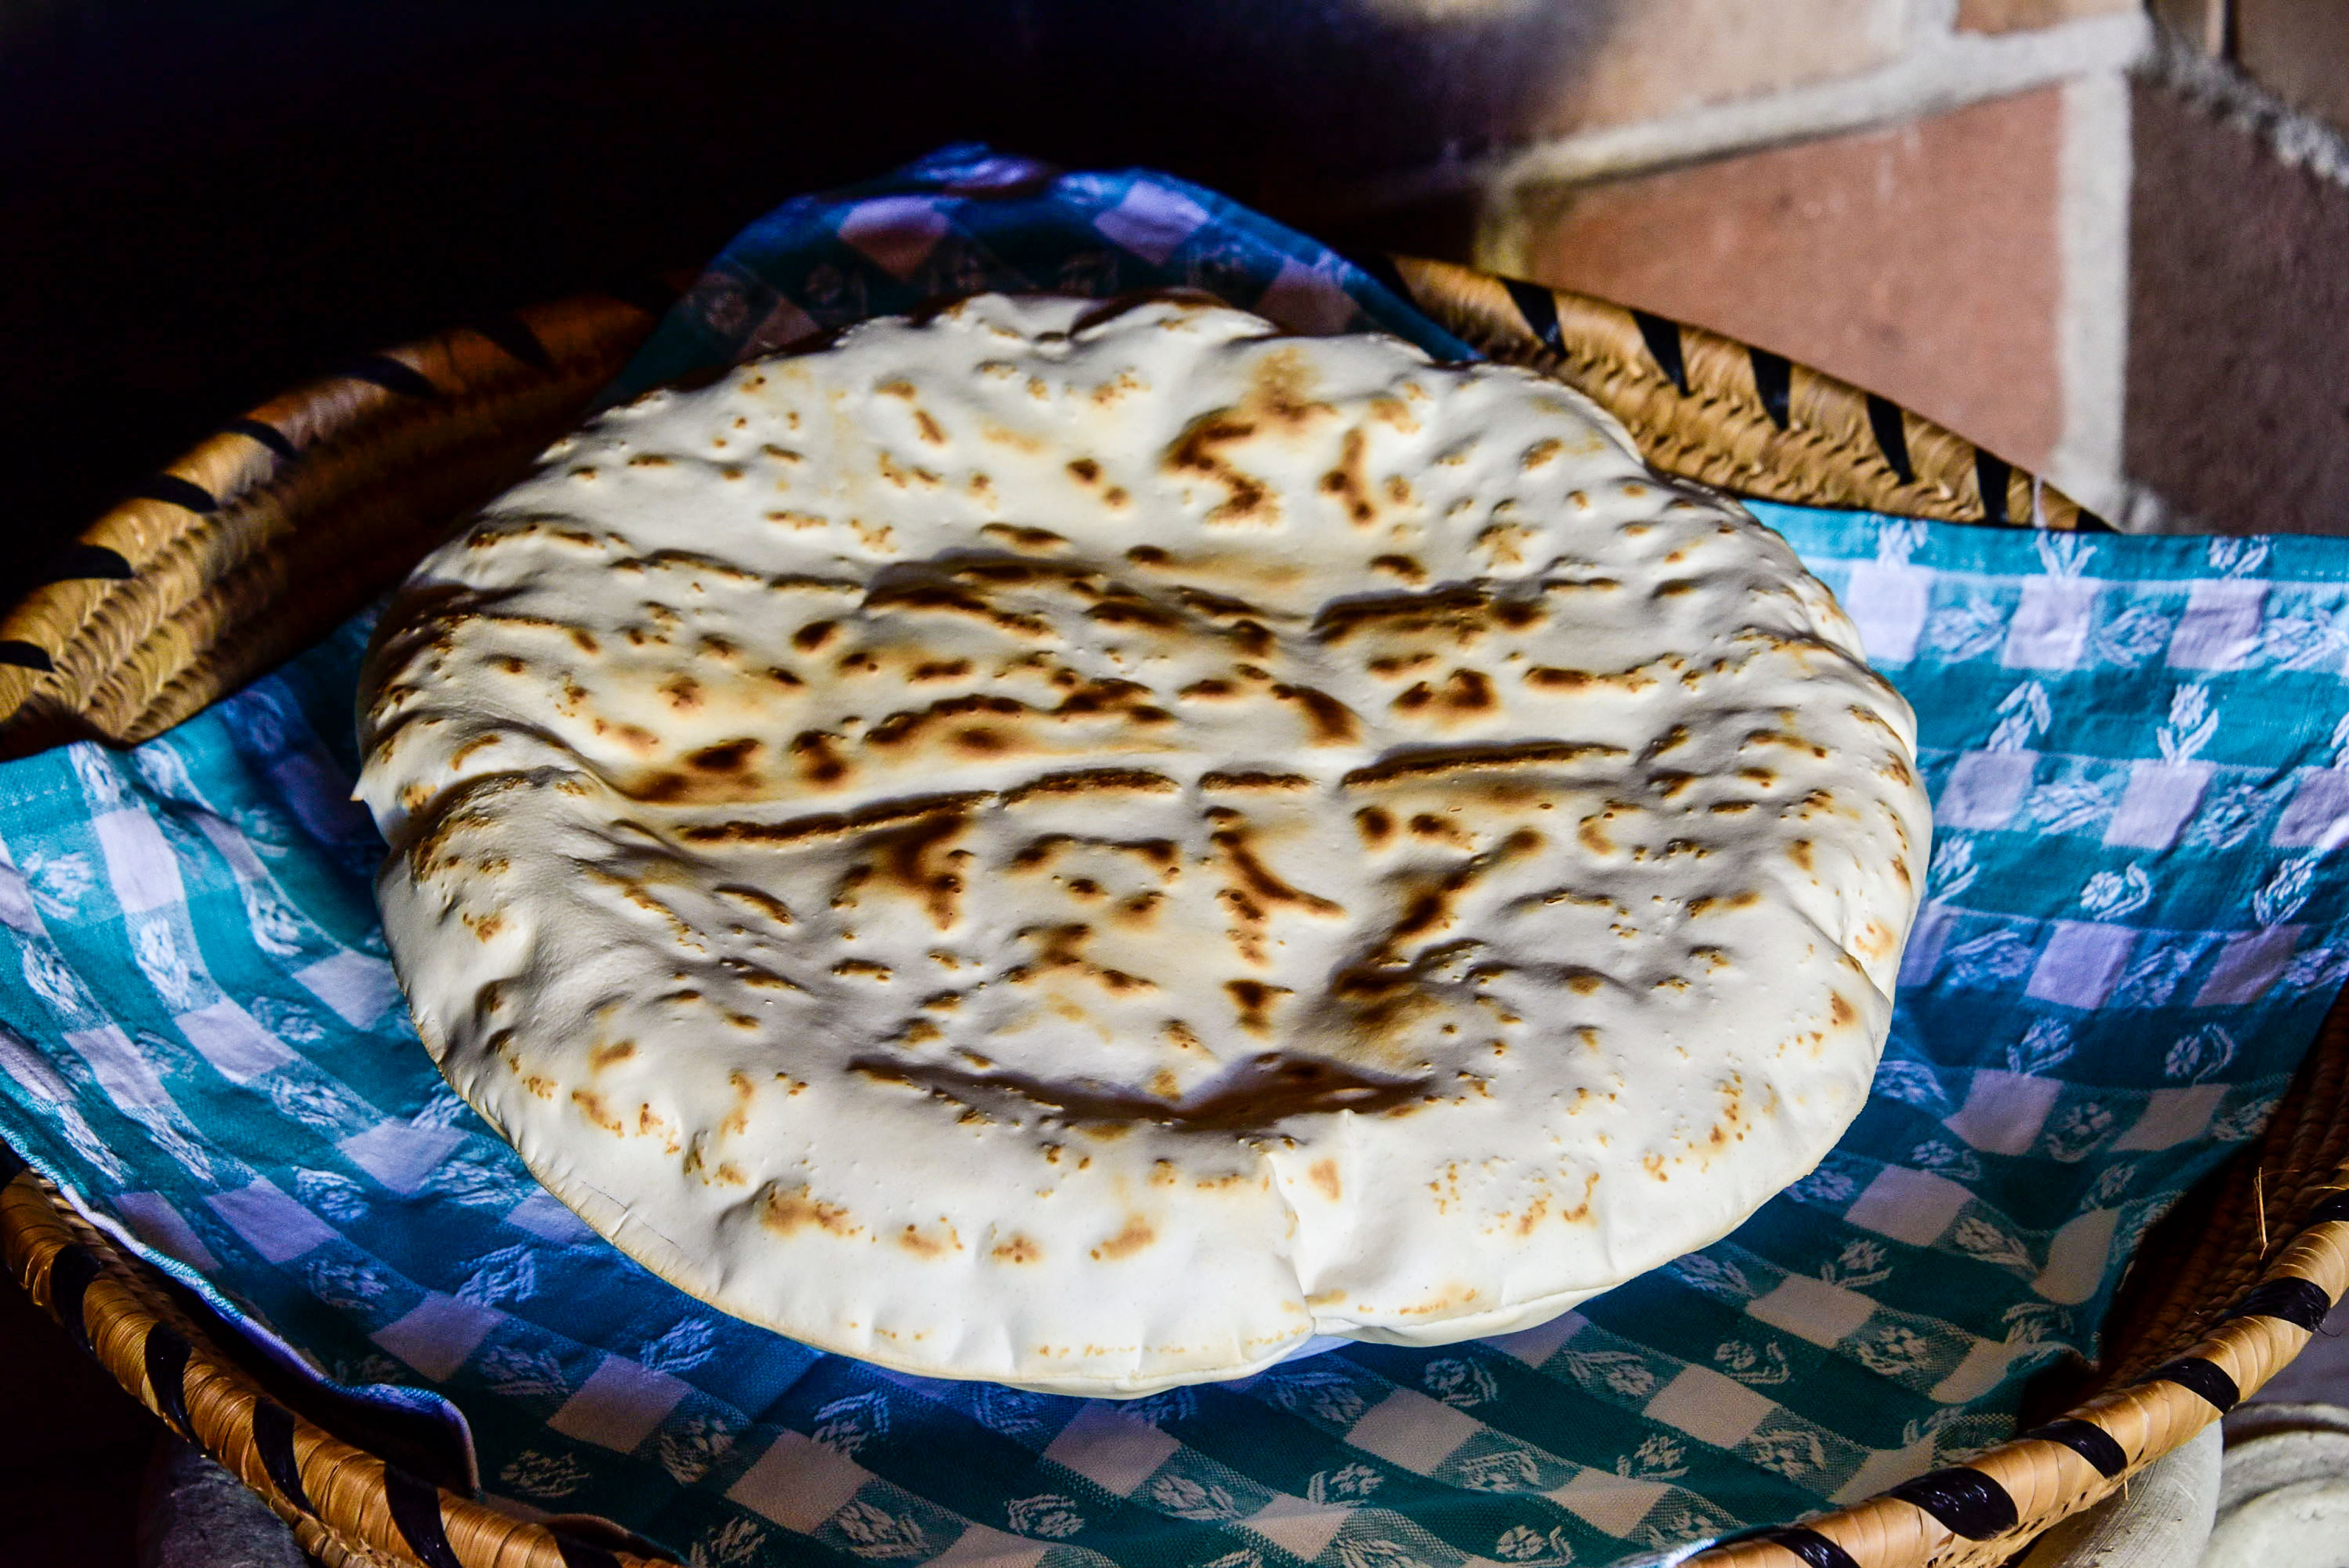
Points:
(17, 910)
(437, 1334)
(2075, 1258)
(272, 1224)
(154, 1221)
(1306, 299)
(1926, 939)
(2160, 800)
(1886, 1467)
(1151, 221)
(1615, 1505)
(544, 1215)
(121, 1069)
(2081, 964)
(980, 1547)
(2004, 1111)
(799, 1483)
(2318, 814)
(1536, 1344)
(2172, 1116)
(2050, 629)
(2221, 628)
(1710, 1407)
(620, 1405)
(233, 846)
(1115, 1452)
(1302, 1528)
(400, 1156)
(139, 862)
(357, 986)
(1911, 1206)
(897, 232)
(1887, 602)
(785, 323)
(1977, 1374)
(1813, 1310)
(1983, 789)
(2249, 963)
(1411, 1429)
(238, 1048)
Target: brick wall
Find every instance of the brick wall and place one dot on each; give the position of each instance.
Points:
(1865, 252)
(2109, 239)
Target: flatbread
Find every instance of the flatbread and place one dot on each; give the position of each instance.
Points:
(1084, 846)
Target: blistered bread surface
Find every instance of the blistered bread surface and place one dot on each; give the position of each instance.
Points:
(1085, 848)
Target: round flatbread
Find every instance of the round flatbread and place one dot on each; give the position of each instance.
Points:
(1086, 846)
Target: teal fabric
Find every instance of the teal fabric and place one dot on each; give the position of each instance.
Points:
(2138, 913)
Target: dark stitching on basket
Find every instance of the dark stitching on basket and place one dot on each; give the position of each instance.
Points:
(513, 335)
(383, 370)
(380, 369)
(1884, 418)
(71, 1273)
(2202, 1378)
(164, 1359)
(1968, 1501)
(273, 1439)
(174, 490)
(1662, 337)
(1990, 476)
(1539, 309)
(77, 563)
(267, 434)
(2298, 1301)
(1774, 383)
(1809, 1545)
(579, 1553)
(2089, 1440)
(415, 1508)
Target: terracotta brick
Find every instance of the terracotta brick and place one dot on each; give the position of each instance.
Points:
(2238, 405)
(2299, 50)
(1920, 261)
(2015, 16)
(1657, 58)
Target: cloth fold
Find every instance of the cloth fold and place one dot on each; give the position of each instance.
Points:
(2138, 915)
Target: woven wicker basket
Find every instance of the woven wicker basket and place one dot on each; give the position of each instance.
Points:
(274, 530)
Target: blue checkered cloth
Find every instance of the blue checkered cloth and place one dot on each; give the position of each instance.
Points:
(2138, 915)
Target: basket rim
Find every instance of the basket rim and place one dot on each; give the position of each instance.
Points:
(155, 608)
(1704, 405)
(344, 1501)
(340, 1500)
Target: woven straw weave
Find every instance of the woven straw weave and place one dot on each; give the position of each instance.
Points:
(276, 529)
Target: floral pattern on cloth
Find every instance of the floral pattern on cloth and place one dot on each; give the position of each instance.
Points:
(2138, 915)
